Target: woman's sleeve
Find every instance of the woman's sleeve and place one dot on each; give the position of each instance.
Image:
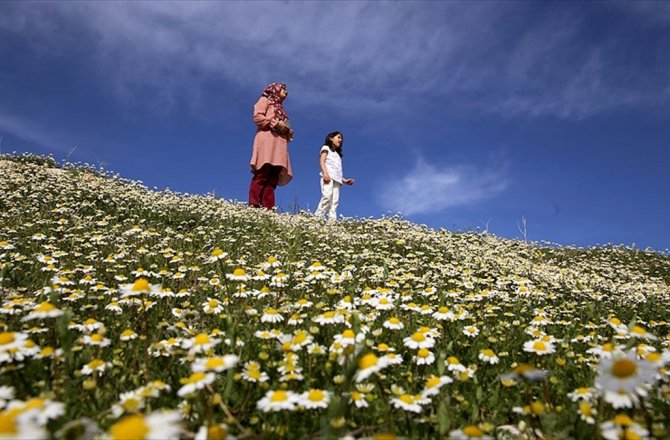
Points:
(261, 117)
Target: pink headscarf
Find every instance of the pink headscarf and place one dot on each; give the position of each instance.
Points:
(272, 93)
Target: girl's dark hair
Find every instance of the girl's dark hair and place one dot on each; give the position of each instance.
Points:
(329, 142)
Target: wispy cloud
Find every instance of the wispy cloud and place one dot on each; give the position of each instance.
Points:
(32, 132)
(514, 59)
(428, 188)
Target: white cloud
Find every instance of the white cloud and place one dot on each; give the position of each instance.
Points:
(428, 188)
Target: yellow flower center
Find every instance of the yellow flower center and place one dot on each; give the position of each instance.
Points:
(394, 321)
(196, 377)
(127, 333)
(130, 427)
(585, 408)
(453, 360)
(443, 309)
(348, 333)
(131, 404)
(418, 337)
(407, 398)
(368, 361)
(279, 396)
(6, 338)
(141, 285)
(539, 346)
(488, 352)
(270, 311)
(615, 321)
(622, 420)
(623, 368)
(239, 272)
(216, 252)
(213, 303)
(472, 431)
(202, 339)
(217, 433)
(433, 382)
(213, 363)
(96, 363)
(329, 315)
(7, 421)
(424, 353)
(97, 338)
(316, 395)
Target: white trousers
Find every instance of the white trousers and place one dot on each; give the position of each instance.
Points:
(330, 199)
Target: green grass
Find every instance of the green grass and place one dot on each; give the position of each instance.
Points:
(96, 225)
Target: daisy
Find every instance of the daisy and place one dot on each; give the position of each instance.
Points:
(487, 355)
(212, 306)
(200, 343)
(278, 400)
(279, 280)
(128, 335)
(238, 274)
(216, 363)
(330, 317)
(42, 311)
(453, 364)
(271, 315)
(138, 288)
(95, 366)
(393, 323)
(539, 347)
(369, 364)
(587, 412)
(433, 384)
(443, 313)
(582, 393)
(10, 345)
(622, 427)
(419, 340)
(163, 425)
(470, 331)
(348, 337)
(384, 303)
(252, 372)
(407, 402)
(217, 255)
(607, 350)
(314, 398)
(358, 399)
(469, 432)
(96, 339)
(424, 357)
(218, 431)
(524, 372)
(623, 378)
(194, 382)
(640, 332)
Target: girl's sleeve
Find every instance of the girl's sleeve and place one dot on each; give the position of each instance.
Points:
(261, 117)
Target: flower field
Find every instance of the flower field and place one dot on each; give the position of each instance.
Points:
(129, 313)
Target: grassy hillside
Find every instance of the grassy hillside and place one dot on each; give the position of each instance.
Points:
(133, 312)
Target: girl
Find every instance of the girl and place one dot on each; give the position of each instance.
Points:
(330, 160)
(270, 162)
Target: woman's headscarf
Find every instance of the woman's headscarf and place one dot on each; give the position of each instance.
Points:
(272, 92)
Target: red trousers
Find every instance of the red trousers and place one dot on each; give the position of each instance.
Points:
(263, 185)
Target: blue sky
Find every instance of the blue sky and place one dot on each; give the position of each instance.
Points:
(461, 115)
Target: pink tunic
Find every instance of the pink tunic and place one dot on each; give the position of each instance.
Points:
(269, 147)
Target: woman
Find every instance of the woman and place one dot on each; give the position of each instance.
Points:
(270, 163)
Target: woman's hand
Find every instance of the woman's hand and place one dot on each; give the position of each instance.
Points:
(281, 127)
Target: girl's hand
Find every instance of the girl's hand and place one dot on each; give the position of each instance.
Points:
(326, 179)
(349, 181)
